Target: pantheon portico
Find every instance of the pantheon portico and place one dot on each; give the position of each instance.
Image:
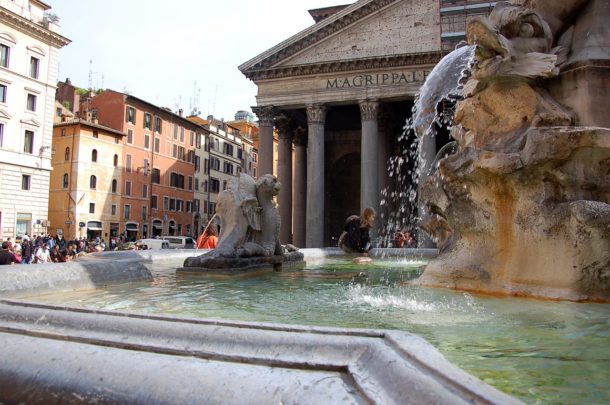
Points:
(339, 94)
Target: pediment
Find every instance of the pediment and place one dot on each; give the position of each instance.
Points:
(30, 121)
(365, 31)
(4, 114)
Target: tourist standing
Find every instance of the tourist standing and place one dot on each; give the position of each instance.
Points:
(26, 250)
(209, 239)
(356, 236)
(42, 254)
(6, 256)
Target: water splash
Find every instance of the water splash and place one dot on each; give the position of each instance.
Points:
(399, 202)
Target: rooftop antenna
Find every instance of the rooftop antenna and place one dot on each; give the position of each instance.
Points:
(214, 101)
(195, 100)
(90, 75)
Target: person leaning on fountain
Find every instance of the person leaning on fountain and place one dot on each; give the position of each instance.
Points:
(356, 237)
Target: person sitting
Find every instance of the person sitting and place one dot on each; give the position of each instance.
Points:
(209, 239)
(55, 254)
(356, 237)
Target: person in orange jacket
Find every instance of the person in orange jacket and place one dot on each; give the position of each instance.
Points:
(209, 239)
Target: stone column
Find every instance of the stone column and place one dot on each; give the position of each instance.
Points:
(300, 187)
(265, 138)
(369, 158)
(316, 116)
(284, 174)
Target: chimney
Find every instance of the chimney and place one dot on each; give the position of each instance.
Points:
(180, 112)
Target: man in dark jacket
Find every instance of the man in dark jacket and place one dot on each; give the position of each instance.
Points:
(6, 256)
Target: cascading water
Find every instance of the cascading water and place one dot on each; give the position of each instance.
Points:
(417, 144)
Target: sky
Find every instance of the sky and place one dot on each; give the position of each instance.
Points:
(176, 54)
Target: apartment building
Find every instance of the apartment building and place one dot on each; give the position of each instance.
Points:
(225, 148)
(159, 163)
(29, 50)
(245, 123)
(85, 192)
(455, 14)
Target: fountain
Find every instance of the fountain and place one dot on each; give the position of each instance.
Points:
(522, 206)
(249, 231)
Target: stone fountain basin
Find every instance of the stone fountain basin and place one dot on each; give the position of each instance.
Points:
(81, 356)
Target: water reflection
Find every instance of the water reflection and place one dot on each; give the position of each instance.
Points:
(539, 351)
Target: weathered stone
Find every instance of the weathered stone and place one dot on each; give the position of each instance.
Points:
(526, 195)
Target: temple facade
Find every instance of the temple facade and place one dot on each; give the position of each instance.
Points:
(339, 94)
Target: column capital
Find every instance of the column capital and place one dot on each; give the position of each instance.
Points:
(265, 114)
(316, 113)
(299, 137)
(283, 125)
(368, 109)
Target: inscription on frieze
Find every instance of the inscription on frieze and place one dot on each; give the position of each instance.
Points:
(378, 79)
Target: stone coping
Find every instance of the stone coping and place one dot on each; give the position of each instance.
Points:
(87, 356)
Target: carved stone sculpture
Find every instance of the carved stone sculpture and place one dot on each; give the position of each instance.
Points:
(526, 196)
(249, 229)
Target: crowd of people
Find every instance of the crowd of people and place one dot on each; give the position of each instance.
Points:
(46, 249)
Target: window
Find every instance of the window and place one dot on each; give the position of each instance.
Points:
(205, 186)
(3, 89)
(174, 150)
(63, 132)
(215, 163)
(190, 183)
(196, 185)
(127, 187)
(131, 115)
(212, 208)
(144, 212)
(157, 145)
(254, 172)
(146, 141)
(65, 180)
(224, 184)
(147, 121)
(126, 210)
(113, 210)
(94, 155)
(115, 160)
(175, 131)
(227, 168)
(181, 134)
(67, 154)
(240, 154)
(34, 67)
(181, 151)
(144, 190)
(31, 102)
(172, 204)
(146, 167)
(91, 208)
(128, 163)
(254, 157)
(227, 149)
(166, 203)
(25, 181)
(58, 111)
(198, 140)
(114, 186)
(153, 202)
(116, 139)
(214, 185)
(176, 180)
(156, 176)
(28, 142)
(130, 136)
(24, 223)
(197, 164)
(179, 205)
(93, 182)
(206, 166)
(191, 138)
(1, 135)
(96, 134)
(5, 52)
(158, 125)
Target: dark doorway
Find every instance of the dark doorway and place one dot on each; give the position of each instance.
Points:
(343, 195)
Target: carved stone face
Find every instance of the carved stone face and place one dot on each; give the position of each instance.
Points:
(268, 185)
(510, 38)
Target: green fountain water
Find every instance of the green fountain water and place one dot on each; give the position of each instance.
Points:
(538, 351)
